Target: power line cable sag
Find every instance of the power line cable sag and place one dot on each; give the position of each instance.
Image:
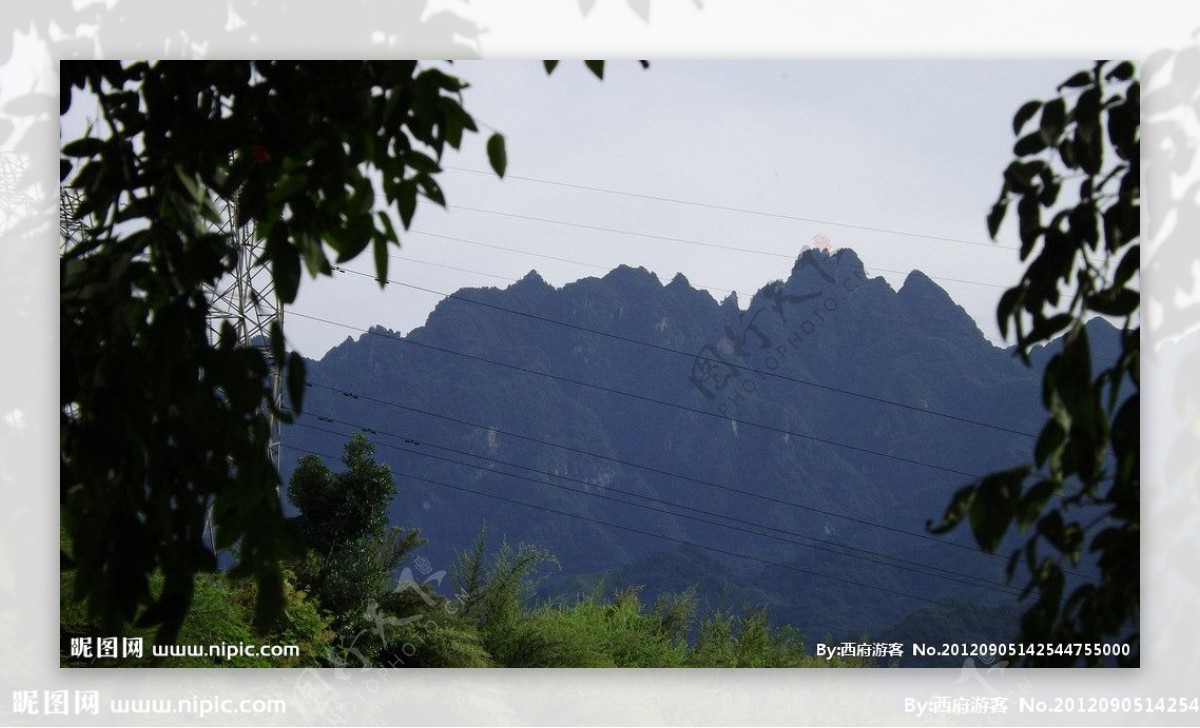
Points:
(816, 544)
(697, 284)
(711, 360)
(646, 398)
(759, 213)
(790, 567)
(660, 471)
(648, 468)
(742, 210)
(687, 241)
(593, 266)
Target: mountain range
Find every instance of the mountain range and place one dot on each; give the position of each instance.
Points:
(785, 456)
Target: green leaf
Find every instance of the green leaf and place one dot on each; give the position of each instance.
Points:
(1117, 302)
(1122, 72)
(421, 163)
(85, 147)
(549, 66)
(1066, 152)
(251, 204)
(497, 157)
(1083, 78)
(296, 374)
(1123, 128)
(959, 506)
(1010, 301)
(1047, 328)
(431, 189)
(1049, 194)
(1050, 442)
(454, 123)
(408, 201)
(381, 261)
(1024, 114)
(1121, 226)
(1031, 143)
(1011, 568)
(278, 343)
(285, 270)
(1052, 528)
(1050, 586)
(349, 243)
(1054, 115)
(388, 229)
(1085, 224)
(1029, 216)
(596, 67)
(1019, 176)
(270, 604)
(995, 505)
(189, 184)
(1129, 265)
(995, 217)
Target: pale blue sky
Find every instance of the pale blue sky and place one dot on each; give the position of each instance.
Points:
(916, 147)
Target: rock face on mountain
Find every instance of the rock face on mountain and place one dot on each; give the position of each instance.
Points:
(787, 455)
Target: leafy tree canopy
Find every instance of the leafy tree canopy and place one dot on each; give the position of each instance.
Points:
(344, 523)
(159, 425)
(1082, 490)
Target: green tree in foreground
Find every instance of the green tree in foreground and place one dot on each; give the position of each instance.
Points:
(351, 552)
(159, 427)
(344, 606)
(496, 598)
(222, 613)
(1082, 248)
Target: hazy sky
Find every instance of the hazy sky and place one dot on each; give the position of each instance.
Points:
(764, 155)
(913, 147)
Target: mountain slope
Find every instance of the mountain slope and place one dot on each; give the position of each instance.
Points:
(823, 426)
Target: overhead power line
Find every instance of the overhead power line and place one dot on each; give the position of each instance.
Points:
(696, 284)
(761, 213)
(694, 356)
(742, 210)
(688, 241)
(632, 529)
(646, 398)
(787, 536)
(656, 470)
(647, 468)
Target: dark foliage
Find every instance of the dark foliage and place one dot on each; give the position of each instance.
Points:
(1081, 494)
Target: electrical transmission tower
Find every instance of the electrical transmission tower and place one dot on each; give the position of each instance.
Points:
(70, 230)
(247, 301)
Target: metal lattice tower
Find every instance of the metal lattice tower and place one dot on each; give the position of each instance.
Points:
(247, 300)
(70, 230)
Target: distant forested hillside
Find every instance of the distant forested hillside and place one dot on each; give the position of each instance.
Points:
(785, 456)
